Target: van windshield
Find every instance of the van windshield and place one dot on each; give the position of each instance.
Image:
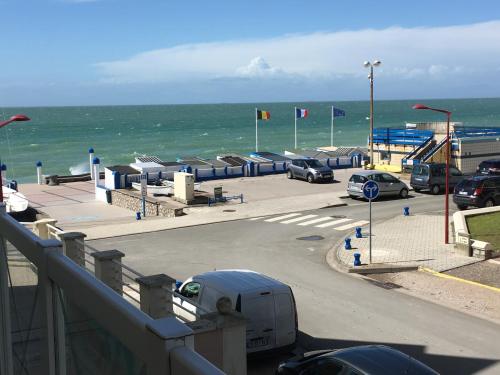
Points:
(314, 164)
(420, 170)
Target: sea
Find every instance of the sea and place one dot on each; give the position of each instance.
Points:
(60, 137)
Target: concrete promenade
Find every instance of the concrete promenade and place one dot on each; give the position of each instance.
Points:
(75, 209)
(403, 241)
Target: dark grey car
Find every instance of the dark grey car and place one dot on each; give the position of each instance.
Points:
(358, 360)
(310, 170)
(432, 176)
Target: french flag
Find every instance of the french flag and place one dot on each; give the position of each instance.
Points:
(301, 113)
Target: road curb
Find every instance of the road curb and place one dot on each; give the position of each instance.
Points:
(450, 277)
(334, 262)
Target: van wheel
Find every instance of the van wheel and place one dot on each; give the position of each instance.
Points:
(417, 190)
(289, 175)
(489, 203)
(310, 178)
(461, 207)
(403, 193)
(435, 189)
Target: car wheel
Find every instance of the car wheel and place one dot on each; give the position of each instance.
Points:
(332, 179)
(289, 175)
(403, 193)
(461, 207)
(489, 203)
(417, 190)
(353, 196)
(310, 178)
(435, 189)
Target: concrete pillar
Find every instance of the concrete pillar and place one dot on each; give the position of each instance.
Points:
(41, 229)
(96, 162)
(91, 164)
(74, 246)
(108, 268)
(155, 300)
(39, 172)
(220, 337)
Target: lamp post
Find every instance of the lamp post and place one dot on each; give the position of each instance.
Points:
(2, 124)
(447, 186)
(368, 64)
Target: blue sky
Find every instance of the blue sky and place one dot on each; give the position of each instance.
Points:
(83, 52)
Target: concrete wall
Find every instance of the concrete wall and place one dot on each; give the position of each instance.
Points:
(132, 201)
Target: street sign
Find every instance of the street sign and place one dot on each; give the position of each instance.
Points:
(144, 185)
(370, 190)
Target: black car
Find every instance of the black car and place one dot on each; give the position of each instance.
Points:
(432, 177)
(487, 167)
(477, 191)
(358, 360)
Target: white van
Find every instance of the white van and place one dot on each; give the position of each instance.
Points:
(268, 304)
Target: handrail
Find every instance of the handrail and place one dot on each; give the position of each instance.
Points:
(144, 336)
(419, 148)
(434, 150)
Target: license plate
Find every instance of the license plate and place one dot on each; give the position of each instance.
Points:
(259, 341)
(462, 192)
(327, 175)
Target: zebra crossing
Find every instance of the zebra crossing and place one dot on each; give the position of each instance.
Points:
(317, 221)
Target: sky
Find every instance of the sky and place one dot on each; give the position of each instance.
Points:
(114, 52)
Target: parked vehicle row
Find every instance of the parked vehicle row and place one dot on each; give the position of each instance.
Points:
(481, 190)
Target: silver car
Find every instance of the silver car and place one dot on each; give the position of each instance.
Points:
(387, 183)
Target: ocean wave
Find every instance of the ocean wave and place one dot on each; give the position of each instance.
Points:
(81, 168)
(203, 135)
(34, 145)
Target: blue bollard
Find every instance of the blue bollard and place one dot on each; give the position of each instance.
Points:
(358, 232)
(406, 211)
(347, 244)
(357, 260)
(137, 215)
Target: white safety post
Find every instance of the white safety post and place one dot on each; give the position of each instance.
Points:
(39, 172)
(96, 163)
(91, 160)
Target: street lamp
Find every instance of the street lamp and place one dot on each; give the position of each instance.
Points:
(2, 124)
(447, 186)
(368, 64)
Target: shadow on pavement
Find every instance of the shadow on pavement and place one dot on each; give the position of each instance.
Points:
(443, 364)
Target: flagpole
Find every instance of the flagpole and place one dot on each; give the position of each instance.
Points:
(331, 134)
(256, 133)
(295, 117)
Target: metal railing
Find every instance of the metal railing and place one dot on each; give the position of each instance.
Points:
(163, 346)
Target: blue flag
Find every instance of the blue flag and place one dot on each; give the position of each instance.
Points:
(338, 112)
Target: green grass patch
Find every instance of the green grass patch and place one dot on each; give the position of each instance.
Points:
(485, 228)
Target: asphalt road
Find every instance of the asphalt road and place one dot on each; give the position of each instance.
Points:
(335, 309)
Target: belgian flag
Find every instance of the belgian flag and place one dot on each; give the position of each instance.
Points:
(263, 115)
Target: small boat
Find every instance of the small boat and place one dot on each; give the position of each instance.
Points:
(14, 200)
(162, 187)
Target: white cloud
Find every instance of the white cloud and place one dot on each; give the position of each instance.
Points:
(258, 67)
(409, 53)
